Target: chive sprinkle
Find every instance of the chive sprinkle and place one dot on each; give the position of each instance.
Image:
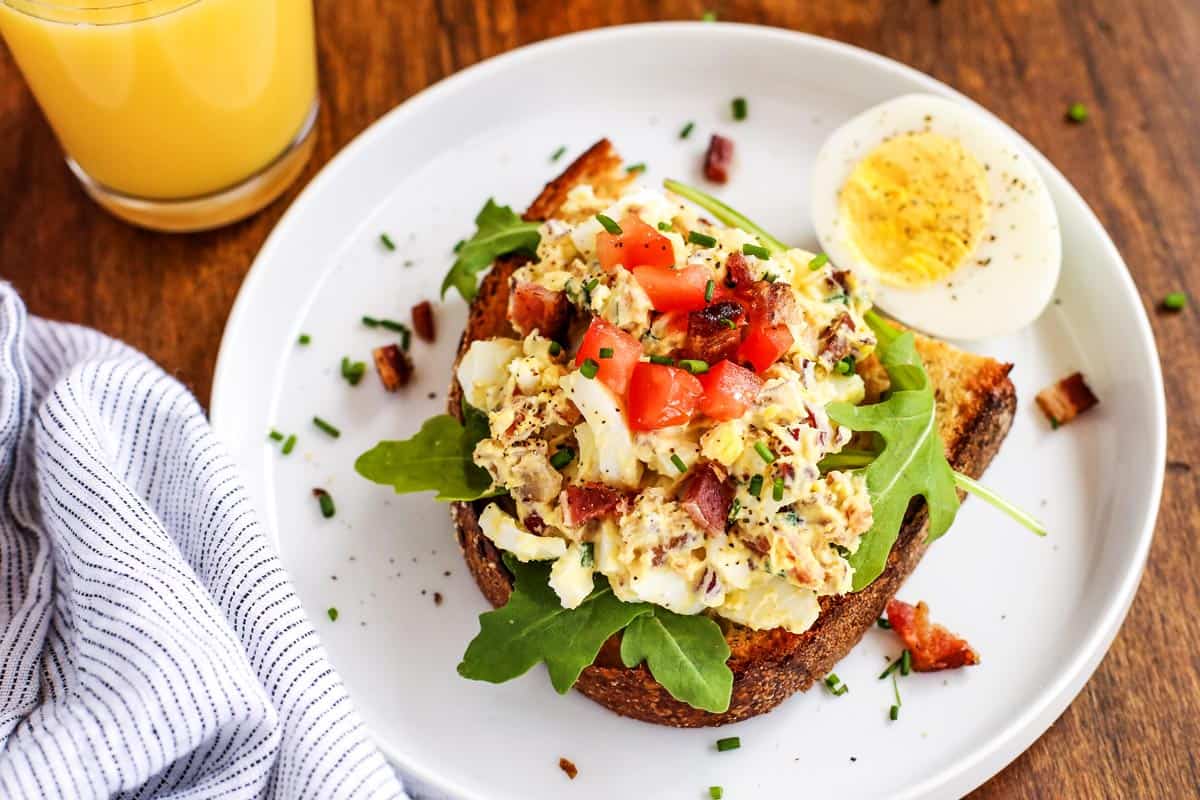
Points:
(846, 365)
(883, 623)
(716, 792)
(735, 508)
(557, 154)
(894, 712)
(392, 325)
(756, 250)
(666, 361)
(818, 261)
(589, 368)
(606, 352)
(834, 684)
(587, 555)
(678, 462)
(370, 322)
(728, 323)
(740, 108)
(1175, 301)
(731, 743)
(892, 667)
(275, 436)
(687, 130)
(764, 452)
(325, 427)
(633, 169)
(666, 226)
(333, 614)
(755, 487)
(702, 239)
(387, 241)
(304, 339)
(289, 444)
(326, 502)
(905, 662)
(777, 490)
(353, 371)
(709, 288)
(561, 458)
(694, 365)
(1077, 113)
(555, 348)
(608, 224)
(770, 277)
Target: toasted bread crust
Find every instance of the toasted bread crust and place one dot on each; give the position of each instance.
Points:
(975, 405)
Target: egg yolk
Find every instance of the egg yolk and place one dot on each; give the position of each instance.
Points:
(916, 207)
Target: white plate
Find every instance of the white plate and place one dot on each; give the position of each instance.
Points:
(1041, 612)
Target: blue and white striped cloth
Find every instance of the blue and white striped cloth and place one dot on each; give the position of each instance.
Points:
(151, 644)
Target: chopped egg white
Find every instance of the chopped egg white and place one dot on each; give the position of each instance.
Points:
(507, 534)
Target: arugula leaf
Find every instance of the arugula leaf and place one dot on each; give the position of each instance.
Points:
(913, 459)
(499, 232)
(686, 654)
(533, 626)
(438, 457)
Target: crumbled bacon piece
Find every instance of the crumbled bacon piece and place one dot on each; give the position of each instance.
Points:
(707, 497)
(568, 767)
(1066, 400)
(932, 646)
(534, 524)
(582, 503)
(737, 271)
(718, 158)
(532, 306)
(394, 366)
(422, 317)
(714, 332)
(835, 340)
(773, 303)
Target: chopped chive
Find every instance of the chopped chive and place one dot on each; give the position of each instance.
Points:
(905, 662)
(818, 261)
(894, 713)
(392, 325)
(589, 368)
(678, 462)
(304, 339)
(694, 365)
(702, 239)
(353, 371)
(740, 108)
(557, 154)
(275, 436)
(728, 323)
(588, 285)
(716, 792)
(608, 224)
(635, 168)
(555, 348)
(1077, 113)
(325, 427)
(777, 490)
(883, 623)
(387, 241)
(666, 361)
(561, 458)
(326, 502)
(834, 684)
(587, 556)
(892, 667)
(405, 339)
(846, 365)
(370, 322)
(709, 288)
(666, 226)
(1175, 301)
(708, 16)
(755, 487)
(459, 245)
(333, 614)
(289, 444)
(764, 452)
(770, 277)
(758, 251)
(606, 352)
(735, 508)
(687, 130)
(732, 743)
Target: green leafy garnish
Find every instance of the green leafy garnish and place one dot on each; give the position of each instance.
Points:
(437, 458)
(685, 653)
(499, 232)
(533, 626)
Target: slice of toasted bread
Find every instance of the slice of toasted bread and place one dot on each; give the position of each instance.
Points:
(975, 405)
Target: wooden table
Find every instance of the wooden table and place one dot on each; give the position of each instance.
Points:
(1134, 730)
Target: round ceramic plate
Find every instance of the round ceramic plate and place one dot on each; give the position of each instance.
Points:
(1041, 612)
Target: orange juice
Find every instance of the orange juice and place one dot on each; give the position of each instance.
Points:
(168, 99)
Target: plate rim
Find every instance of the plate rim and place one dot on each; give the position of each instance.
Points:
(1024, 728)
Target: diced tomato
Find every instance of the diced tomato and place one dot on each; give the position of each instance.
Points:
(728, 391)
(616, 370)
(674, 289)
(637, 245)
(661, 396)
(764, 345)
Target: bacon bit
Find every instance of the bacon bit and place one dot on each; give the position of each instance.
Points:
(932, 646)
(422, 317)
(718, 158)
(709, 335)
(840, 279)
(566, 766)
(582, 503)
(707, 498)
(394, 366)
(437, 598)
(835, 340)
(534, 524)
(1066, 400)
(774, 303)
(532, 306)
(737, 271)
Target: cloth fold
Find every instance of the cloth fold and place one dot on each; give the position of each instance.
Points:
(151, 644)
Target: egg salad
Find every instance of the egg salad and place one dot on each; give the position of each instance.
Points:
(659, 418)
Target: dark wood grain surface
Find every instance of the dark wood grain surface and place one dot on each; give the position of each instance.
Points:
(1135, 729)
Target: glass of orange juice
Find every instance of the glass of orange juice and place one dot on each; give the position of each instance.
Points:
(174, 114)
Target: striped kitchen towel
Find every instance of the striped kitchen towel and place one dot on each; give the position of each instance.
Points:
(151, 644)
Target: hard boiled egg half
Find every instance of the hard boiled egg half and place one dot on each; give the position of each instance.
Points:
(939, 209)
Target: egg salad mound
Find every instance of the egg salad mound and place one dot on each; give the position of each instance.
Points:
(661, 420)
